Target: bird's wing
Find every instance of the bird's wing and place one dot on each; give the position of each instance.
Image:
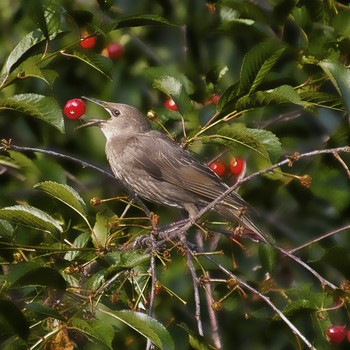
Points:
(165, 160)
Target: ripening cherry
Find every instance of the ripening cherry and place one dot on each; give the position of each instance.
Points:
(215, 99)
(170, 104)
(88, 43)
(218, 168)
(74, 109)
(237, 166)
(115, 51)
(336, 334)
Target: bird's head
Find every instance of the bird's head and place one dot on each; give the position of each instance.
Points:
(124, 119)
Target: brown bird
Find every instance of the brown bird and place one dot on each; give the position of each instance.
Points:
(157, 169)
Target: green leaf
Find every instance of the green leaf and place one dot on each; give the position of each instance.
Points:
(228, 99)
(101, 228)
(26, 165)
(342, 23)
(141, 323)
(41, 276)
(262, 143)
(258, 63)
(269, 141)
(30, 68)
(174, 88)
(268, 257)
(101, 63)
(100, 334)
(65, 194)
(340, 77)
(197, 342)
(6, 229)
(280, 95)
(30, 216)
(18, 53)
(320, 99)
(142, 20)
(12, 319)
(80, 242)
(44, 310)
(38, 106)
(124, 260)
(298, 306)
(47, 14)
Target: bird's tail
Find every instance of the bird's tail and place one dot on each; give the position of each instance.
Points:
(244, 224)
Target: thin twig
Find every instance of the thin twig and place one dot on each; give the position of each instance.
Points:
(197, 300)
(328, 234)
(150, 311)
(260, 295)
(214, 325)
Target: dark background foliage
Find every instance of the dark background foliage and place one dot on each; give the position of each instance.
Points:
(280, 68)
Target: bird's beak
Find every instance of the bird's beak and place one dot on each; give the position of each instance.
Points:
(93, 122)
(96, 101)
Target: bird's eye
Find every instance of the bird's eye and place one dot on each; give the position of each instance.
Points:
(115, 112)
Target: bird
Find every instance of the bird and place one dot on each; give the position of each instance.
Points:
(159, 170)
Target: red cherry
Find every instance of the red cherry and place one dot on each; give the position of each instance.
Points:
(215, 99)
(115, 51)
(74, 108)
(336, 334)
(348, 335)
(89, 42)
(170, 104)
(218, 168)
(237, 166)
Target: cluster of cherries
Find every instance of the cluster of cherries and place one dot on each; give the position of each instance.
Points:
(114, 50)
(236, 167)
(337, 334)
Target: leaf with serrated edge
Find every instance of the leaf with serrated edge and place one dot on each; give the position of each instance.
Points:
(63, 193)
(30, 40)
(340, 77)
(38, 106)
(257, 64)
(101, 63)
(30, 216)
(143, 324)
(280, 95)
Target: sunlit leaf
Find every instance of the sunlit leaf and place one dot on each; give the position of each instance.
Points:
(38, 106)
(262, 142)
(280, 95)
(340, 77)
(174, 88)
(65, 194)
(258, 63)
(30, 216)
(47, 14)
(101, 228)
(142, 323)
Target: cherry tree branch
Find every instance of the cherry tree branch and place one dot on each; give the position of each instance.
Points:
(262, 296)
